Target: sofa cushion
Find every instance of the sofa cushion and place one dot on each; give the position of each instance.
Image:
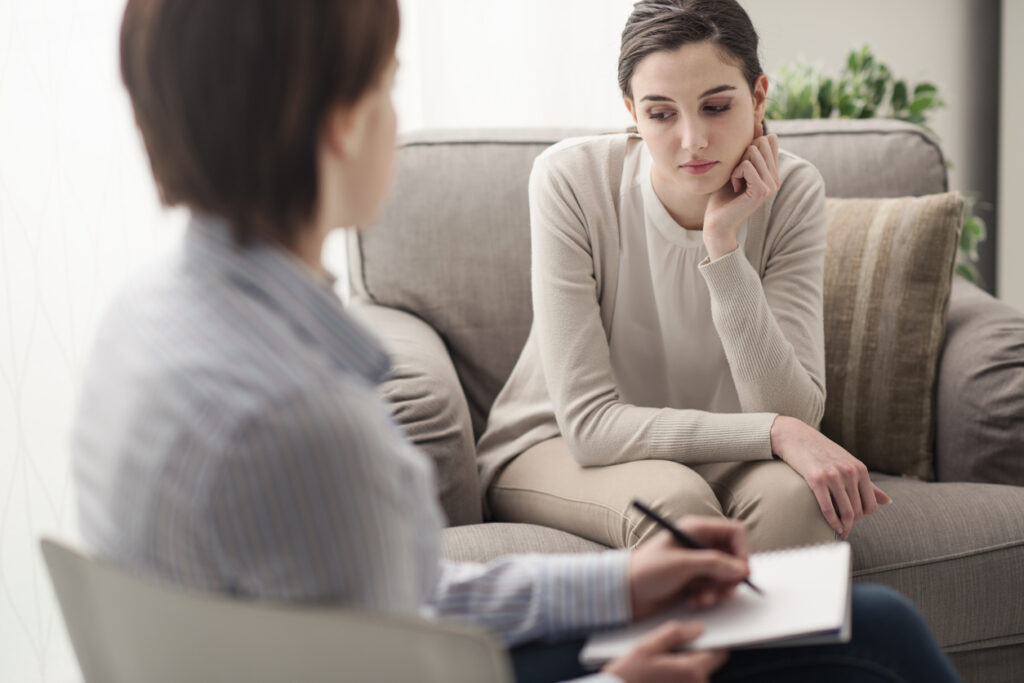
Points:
(427, 402)
(867, 157)
(956, 550)
(888, 264)
(980, 400)
(484, 542)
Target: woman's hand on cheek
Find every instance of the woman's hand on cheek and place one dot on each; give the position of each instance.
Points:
(755, 179)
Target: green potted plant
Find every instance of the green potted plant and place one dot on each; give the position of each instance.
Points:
(864, 89)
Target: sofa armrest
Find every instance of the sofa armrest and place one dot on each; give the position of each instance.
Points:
(980, 390)
(428, 403)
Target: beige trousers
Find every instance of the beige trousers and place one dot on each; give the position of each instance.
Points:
(545, 485)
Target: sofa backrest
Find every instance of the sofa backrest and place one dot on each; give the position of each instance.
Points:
(452, 245)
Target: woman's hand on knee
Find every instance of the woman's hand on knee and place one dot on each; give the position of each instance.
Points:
(656, 657)
(839, 481)
(662, 572)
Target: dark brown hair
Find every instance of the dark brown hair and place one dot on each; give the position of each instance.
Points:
(231, 97)
(657, 25)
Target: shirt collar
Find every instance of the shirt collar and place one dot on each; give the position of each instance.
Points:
(305, 299)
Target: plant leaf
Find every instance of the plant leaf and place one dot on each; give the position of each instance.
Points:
(922, 103)
(899, 96)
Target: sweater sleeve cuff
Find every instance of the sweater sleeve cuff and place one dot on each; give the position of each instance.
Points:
(587, 591)
(716, 437)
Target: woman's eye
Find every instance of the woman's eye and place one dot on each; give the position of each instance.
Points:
(716, 109)
(660, 115)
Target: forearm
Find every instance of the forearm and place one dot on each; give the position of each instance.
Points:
(527, 597)
(766, 369)
(614, 432)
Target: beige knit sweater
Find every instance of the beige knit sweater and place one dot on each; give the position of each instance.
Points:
(766, 304)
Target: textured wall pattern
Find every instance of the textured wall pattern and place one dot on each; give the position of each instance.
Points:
(77, 212)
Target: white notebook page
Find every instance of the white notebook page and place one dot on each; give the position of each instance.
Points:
(806, 593)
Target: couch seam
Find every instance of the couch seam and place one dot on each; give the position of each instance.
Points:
(1009, 640)
(938, 560)
(917, 133)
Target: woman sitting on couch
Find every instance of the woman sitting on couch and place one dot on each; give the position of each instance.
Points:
(677, 348)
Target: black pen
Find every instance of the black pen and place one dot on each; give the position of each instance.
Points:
(681, 536)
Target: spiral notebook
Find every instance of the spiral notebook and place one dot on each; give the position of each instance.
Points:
(806, 601)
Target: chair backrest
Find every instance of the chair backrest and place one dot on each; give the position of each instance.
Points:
(453, 244)
(126, 628)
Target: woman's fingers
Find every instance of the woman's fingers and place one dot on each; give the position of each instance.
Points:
(715, 565)
(844, 507)
(881, 496)
(867, 495)
(756, 188)
(773, 143)
(726, 535)
(770, 172)
(756, 173)
(670, 636)
(764, 173)
(853, 493)
(828, 509)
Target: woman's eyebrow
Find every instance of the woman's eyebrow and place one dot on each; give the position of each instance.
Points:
(715, 91)
(706, 93)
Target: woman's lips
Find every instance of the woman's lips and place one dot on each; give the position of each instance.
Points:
(698, 168)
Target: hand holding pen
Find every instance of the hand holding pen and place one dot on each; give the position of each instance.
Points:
(681, 536)
(662, 572)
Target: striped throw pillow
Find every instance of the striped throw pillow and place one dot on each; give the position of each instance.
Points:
(888, 265)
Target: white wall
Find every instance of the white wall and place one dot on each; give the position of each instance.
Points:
(78, 208)
(76, 211)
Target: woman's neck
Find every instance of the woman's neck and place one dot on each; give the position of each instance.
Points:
(309, 247)
(685, 208)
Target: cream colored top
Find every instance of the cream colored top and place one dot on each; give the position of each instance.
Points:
(665, 350)
(625, 366)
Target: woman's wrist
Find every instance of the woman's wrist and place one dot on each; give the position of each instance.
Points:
(782, 427)
(718, 247)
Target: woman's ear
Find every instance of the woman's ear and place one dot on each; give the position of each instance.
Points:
(628, 101)
(760, 103)
(338, 131)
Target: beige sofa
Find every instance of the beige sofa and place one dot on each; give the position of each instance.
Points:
(443, 278)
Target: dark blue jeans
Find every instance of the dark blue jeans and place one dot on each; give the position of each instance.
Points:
(891, 644)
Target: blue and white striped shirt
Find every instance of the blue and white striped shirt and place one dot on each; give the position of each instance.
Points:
(229, 437)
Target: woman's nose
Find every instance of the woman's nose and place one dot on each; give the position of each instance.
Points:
(694, 137)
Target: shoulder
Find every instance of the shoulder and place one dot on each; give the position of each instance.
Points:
(798, 175)
(589, 147)
(595, 160)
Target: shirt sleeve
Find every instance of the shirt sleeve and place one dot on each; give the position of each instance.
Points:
(772, 328)
(574, 225)
(525, 597)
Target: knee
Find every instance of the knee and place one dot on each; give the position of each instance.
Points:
(885, 615)
(674, 490)
(784, 512)
(885, 607)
